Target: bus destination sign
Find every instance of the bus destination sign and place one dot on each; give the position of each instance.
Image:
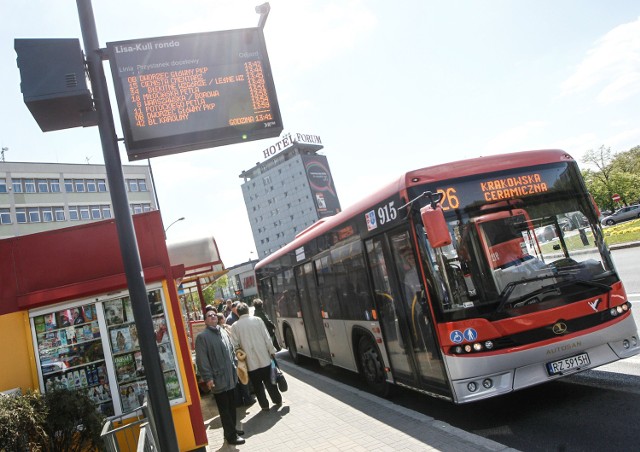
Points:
(195, 91)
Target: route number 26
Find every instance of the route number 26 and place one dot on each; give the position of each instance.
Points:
(449, 199)
(387, 213)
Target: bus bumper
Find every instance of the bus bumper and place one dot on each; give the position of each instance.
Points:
(506, 372)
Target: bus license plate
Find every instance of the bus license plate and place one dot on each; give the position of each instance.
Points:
(567, 364)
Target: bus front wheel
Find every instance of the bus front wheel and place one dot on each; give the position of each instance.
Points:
(290, 342)
(371, 367)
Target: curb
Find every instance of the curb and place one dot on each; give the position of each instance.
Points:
(472, 438)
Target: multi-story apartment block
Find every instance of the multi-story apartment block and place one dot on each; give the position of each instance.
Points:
(287, 192)
(36, 197)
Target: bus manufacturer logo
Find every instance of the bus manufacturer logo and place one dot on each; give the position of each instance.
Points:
(559, 328)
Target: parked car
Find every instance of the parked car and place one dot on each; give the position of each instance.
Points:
(622, 214)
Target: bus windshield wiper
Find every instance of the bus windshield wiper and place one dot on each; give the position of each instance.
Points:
(508, 290)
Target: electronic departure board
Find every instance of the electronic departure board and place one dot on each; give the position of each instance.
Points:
(195, 91)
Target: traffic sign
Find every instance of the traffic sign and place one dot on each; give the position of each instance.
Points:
(616, 197)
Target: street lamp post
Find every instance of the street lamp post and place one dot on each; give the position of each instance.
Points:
(167, 228)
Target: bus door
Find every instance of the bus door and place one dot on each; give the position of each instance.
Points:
(312, 312)
(404, 317)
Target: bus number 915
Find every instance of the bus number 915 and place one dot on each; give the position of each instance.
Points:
(387, 213)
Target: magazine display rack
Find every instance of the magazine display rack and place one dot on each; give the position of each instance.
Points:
(127, 358)
(94, 348)
(71, 353)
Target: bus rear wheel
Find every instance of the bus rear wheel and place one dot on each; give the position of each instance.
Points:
(290, 342)
(371, 367)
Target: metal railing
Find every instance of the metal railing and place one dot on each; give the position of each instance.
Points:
(118, 436)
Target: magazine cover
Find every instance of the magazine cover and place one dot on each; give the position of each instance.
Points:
(71, 335)
(128, 310)
(166, 357)
(65, 318)
(113, 312)
(77, 317)
(134, 337)
(141, 391)
(95, 329)
(87, 332)
(129, 397)
(120, 339)
(125, 367)
(89, 312)
(172, 384)
(38, 323)
(50, 322)
(137, 356)
(155, 302)
(160, 328)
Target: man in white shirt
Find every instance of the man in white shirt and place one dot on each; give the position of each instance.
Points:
(250, 334)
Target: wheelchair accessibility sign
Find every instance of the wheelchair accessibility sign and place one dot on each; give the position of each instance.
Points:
(458, 336)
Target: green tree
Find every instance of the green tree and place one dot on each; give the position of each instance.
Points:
(613, 174)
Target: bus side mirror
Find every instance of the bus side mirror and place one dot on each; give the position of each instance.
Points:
(436, 226)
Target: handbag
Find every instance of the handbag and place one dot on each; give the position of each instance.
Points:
(241, 369)
(279, 377)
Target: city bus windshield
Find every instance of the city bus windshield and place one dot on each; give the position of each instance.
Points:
(521, 242)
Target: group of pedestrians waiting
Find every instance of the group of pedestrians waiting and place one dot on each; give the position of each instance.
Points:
(217, 362)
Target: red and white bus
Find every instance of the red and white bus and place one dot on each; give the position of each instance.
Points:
(464, 281)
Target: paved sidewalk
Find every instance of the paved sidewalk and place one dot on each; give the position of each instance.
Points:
(320, 414)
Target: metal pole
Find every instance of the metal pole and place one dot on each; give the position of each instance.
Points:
(159, 401)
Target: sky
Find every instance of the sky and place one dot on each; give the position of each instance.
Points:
(388, 86)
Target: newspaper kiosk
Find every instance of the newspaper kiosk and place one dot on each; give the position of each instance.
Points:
(66, 318)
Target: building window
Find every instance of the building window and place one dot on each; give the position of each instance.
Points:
(54, 184)
(17, 185)
(34, 214)
(59, 213)
(95, 213)
(142, 184)
(106, 212)
(21, 215)
(47, 214)
(29, 186)
(3, 185)
(84, 213)
(68, 185)
(91, 186)
(43, 186)
(78, 185)
(73, 213)
(102, 185)
(5, 216)
(133, 185)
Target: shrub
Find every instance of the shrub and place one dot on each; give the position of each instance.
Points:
(61, 420)
(21, 422)
(73, 424)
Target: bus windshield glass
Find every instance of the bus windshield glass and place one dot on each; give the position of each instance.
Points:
(522, 241)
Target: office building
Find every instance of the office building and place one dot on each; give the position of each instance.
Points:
(36, 197)
(288, 191)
